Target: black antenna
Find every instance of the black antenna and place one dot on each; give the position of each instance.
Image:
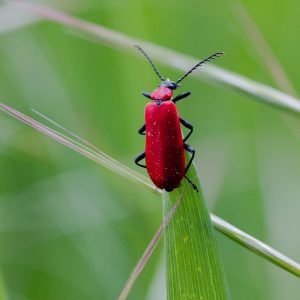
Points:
(151, 62)
(215, 55)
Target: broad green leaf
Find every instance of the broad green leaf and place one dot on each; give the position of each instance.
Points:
(194, 266)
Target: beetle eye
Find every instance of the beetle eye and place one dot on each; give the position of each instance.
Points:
(173, 86)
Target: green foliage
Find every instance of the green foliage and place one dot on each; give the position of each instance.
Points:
(70, 231)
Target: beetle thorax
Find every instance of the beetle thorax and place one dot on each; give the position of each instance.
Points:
(161, 93)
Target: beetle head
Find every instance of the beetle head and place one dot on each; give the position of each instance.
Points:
(169, 84)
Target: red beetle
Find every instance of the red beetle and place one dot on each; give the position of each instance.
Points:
(164, 151)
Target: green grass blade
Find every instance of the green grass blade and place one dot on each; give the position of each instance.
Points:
(256, 246)
(194, 267)
(105, 160)
(259, 91)
(83, 148)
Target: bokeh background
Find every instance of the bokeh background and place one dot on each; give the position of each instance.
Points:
(70, 229)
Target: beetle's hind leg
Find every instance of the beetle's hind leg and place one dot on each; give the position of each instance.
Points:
(191, 150)
(192, 183)
(139, 158)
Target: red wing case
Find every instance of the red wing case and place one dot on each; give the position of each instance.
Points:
(164, 145)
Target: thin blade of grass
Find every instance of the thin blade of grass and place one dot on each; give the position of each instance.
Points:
(256, 246)
(156, 238)
(166, 56)
(237, 235)
(75, 136)
(99, 157)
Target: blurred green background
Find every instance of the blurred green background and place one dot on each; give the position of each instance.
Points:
(69, 229)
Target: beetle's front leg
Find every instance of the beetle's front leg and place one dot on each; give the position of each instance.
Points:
(147, 95)
(181, 96)
(142, 129)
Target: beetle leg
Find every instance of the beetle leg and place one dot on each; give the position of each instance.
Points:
(139, 158)
(142, 129)
(187, 125)
(190, 149)
(181, 96)
(148, 95)
(192, 183)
